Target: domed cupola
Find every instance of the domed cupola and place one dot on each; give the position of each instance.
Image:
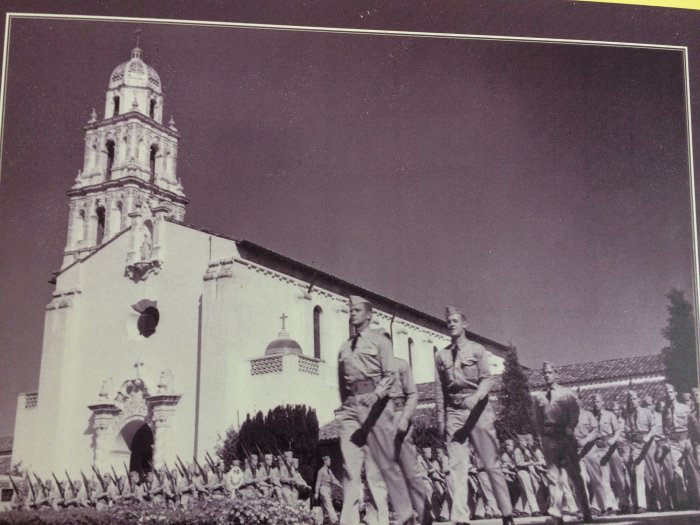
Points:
(134, 86)
(284, 344)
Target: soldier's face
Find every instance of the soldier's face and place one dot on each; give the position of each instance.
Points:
(598, 403)
(696, 397)
(359, 314)
(456, 325)
(687, 399)
(509, 446)
(634, 400)
(670, 392)
(550, 376)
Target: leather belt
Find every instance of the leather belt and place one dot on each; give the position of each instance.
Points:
(363, 386)
(678, 436)
(399, 402)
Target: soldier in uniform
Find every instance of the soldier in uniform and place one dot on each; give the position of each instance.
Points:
(484, 484)
(365, 375)
(524, 464)
(324, 479)
(404, 396)
(694, 424)
(303, 489)
(462, 387)
(234, 478)
(78, 495)
(557, 418)
(675, 426)
(377, 511)
(640, 431)
(612, 467)
(273, 477)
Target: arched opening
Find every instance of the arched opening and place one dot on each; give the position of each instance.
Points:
(110, 158)
(152, 162)
(148, 321)
(142, 450)
(115, 100)
(410, 352)
(152, 109)
(100, 225)
(79, 228)
(134, 446)
(318, 311)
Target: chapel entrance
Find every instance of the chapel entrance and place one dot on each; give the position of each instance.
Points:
(136, 440)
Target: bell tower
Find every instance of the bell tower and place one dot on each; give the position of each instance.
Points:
(129, 165)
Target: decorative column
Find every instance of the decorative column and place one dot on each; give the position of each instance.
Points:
(160, 212)
(135, 216)
(162, 408)
(104, 414)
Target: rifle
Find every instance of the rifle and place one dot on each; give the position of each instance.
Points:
(250, 463)
(70, 484)
(116, 480)
(608, 454)
(170, 478)
(201, 471)
(187, 474)
(211, 463)
(267, 469)
(31, 487)
(87, 487)
(99, 478)
(128, 478)
(643, 453)
(41, 484)
(16, 490)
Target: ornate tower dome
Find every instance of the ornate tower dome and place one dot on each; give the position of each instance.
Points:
(134, 86)
(283, 344)
(135, 73)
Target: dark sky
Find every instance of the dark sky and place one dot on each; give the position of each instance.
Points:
(543, 187)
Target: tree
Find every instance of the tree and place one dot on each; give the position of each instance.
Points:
(515, 414)
(680, 357)
(283, 428)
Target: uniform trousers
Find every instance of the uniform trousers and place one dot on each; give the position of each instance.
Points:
(483, 435)
(527, 495)
(324, 492)
(375, 427)
(561, 454)
(615, 475)
(377, 513)
(490, 504)
(638, 474)
(591, 462)
(406, 453)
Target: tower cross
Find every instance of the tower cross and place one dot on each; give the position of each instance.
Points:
(137, 35)
(284, 318)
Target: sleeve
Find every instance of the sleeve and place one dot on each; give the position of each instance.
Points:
(484, 364)
(317, 487)
(572, 411)
(410, 391)
(385, 354)
(341, 377)
(519, 457)
(616, 427)
(439, 392)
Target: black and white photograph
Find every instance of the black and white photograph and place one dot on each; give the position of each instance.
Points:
(349, 264)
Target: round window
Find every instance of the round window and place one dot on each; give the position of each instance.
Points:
(148, 320)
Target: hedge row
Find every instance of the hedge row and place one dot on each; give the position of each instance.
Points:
(241, 511)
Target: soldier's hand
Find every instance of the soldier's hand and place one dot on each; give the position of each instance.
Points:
(369, 399)
(402, 427)
(470, 402)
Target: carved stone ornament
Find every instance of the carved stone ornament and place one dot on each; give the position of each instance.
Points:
(140, 271)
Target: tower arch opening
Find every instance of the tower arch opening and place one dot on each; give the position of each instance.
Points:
(110, 159)
(115, 106)
(101, 214)
(152, 162)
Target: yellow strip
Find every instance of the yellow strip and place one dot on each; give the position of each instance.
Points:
(680, 4)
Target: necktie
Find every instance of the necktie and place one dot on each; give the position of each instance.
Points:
(353, 345)
(549, 394)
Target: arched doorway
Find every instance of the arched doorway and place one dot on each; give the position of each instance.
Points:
(135, 446)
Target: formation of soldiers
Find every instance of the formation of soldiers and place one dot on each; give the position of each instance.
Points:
(274, 477)
(631, 456)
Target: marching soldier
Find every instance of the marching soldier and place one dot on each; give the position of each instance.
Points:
(639, 427)
(248, 485)
(303, 489)
(524, 465)
(286, 479)
(462, 387)
(78, 496)
(484, 484)
(365, 375)
(324, 479)
(510, 472)
(185, 489)
(557, 419)
(694, 424)
(404, 396)
(675, 426)
(273, 477)
(108, 495)
(612, 468)
(377, 512)
(156, 487)
(234, 478)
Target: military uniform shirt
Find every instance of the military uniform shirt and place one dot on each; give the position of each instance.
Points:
(366, 355)
(587, 424)
(459, 376)
(675, 417)
(640, 420)
(608, 424)
(405, 388)
(555, 409)
(325, 477)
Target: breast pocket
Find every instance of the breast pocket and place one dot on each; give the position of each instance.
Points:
(369, 350)
(470, 369)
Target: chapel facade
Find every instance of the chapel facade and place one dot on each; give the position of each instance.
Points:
(160, 335)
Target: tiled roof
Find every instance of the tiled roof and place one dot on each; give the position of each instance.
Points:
(608, 370)
(6, 444)
(5, 465)
(579, 374)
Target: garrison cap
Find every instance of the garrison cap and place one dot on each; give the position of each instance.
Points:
(288, 454)
(356, 299)
(453, 310)
(253, 456)
(325, 458)
(268, 457)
